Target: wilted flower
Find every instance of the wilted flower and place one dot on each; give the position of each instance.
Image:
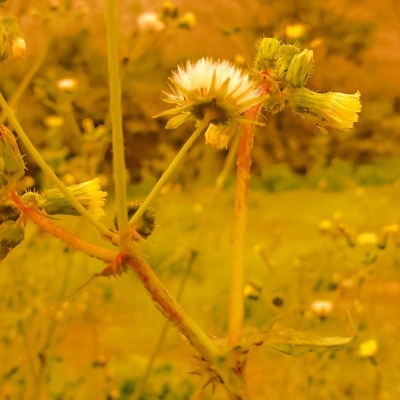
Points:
(12, 44)
(368, 348)
(217, 91)
(88, 194)
(337, 110)
(149, 22)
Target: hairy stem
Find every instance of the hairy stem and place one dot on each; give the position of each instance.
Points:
(79, 244)
(243, 164)
(172, 310)
(116, 121)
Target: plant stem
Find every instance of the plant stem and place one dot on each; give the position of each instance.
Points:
(142, 383)
(25, 82)
(116, 121)
(167, 173)
(47, 170)
(90, 249)
(236, 295)
(172, 310)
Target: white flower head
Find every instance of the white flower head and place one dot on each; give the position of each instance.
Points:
(150, 22)
(217, 91)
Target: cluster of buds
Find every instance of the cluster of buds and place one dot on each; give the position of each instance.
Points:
(286, 68)
(12, 43)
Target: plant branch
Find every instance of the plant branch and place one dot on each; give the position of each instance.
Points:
(167, 173)
(116, 121)
(47, 170)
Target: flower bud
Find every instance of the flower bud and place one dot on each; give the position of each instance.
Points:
(12, 166)
(87, 193)
(11, 235)
(337, 110)
(267, 53)
(300, 69)
(287, 52)
(146, 223)
(12, 44)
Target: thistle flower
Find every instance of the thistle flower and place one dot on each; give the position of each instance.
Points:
(337, 110)
(88, 194)
(217, 91)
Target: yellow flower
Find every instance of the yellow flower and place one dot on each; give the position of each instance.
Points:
(337, 110)
(368, 348)
(217, 91)
(87, 193)
(367, 239)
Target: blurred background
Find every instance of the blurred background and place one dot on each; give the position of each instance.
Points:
(323, 210)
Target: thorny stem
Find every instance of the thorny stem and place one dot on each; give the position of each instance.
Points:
(47, 170)
(167, 173)
(79, 244)
(116, 121)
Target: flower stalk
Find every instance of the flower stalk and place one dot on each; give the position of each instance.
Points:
(116, 122)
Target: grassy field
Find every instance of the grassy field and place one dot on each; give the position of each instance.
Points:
(97, 344)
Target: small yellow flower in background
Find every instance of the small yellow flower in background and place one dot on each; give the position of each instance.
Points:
(295, 31)
(367, 239)
(217, 89)
(187, 21)
(393, 228)
(337, 110)
(368, 348)
(149, 22)
(53, 121)
(325, 225)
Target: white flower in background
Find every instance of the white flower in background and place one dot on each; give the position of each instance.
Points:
(149, 22)
(67, 84)
(322, 308)
(217, 91)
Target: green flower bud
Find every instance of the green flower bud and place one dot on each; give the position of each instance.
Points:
(287, 52)
(268, 52)
(88, 194)
(300, 69)
(337, 110)
(12, 166)
(146, 224)
(12, 44)
(11, 235)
